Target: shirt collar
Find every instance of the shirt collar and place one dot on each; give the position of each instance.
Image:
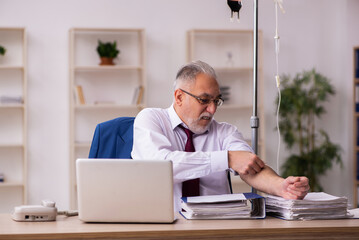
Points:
(174, 118)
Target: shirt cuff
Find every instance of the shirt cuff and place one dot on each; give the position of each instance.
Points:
(219, 161)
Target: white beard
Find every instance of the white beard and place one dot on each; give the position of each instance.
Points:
(195, 127)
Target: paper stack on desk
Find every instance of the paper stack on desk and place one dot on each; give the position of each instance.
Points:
(315, 205)
(226, 206)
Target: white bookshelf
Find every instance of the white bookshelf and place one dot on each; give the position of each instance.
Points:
(230, 53)
(108, 90)
(13, 119)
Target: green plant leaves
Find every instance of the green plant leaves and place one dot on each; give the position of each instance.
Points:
(302, 102)
(2, 50)
(107, 49)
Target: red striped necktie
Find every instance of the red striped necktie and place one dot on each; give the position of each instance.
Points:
(190, 187)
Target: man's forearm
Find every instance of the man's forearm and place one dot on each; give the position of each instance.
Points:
(265, 181)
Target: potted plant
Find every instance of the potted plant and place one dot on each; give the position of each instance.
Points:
(107, 52)
(302, 103)
(2, 50)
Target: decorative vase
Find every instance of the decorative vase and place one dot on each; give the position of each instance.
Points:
(106, 61)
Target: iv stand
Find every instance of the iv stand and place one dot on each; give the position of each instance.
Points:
(254, 118)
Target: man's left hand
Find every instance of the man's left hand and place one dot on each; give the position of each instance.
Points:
(294, 187)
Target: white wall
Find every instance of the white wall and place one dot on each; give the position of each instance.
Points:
(317, 34)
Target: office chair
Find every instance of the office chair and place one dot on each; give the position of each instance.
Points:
(113, 139)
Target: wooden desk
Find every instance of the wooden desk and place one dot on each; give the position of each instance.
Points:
(269, 228)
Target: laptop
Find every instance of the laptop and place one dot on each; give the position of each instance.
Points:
(125, 190)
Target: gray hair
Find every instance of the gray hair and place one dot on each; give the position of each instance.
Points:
(187, 73)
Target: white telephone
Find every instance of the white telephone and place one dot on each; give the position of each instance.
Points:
(35, 213)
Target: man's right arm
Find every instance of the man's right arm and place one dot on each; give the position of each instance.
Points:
(260, 176)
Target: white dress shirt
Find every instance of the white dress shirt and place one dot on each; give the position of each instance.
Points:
(157, 136)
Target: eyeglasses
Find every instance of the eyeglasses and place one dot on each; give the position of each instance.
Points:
(205, 101)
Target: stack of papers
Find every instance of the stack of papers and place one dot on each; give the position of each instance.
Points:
(10, 99)
(315, 205)
(226, 206)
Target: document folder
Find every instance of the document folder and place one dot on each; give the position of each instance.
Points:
(226, 206)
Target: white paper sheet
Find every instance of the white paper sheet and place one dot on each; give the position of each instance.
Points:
(216, 198)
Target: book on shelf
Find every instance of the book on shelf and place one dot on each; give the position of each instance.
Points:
(138, 95)
(315, 205)
(357, 97)
(356, 62)
(225, 92)
(225, 206)
(79, 95)
(11, 99)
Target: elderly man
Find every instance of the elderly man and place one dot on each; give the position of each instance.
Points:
(202, 149)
